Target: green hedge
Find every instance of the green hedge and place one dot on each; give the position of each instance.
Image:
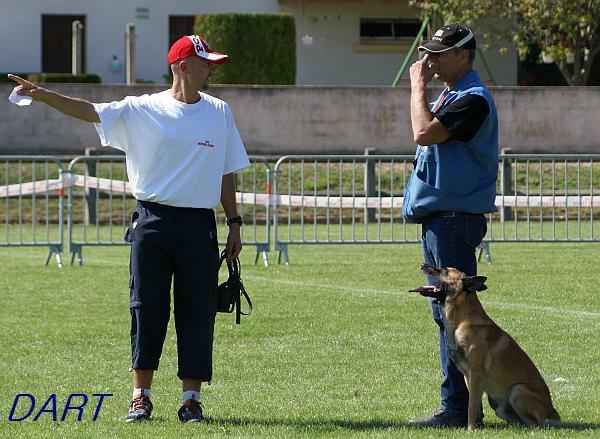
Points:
(261, 47)
(63, 77)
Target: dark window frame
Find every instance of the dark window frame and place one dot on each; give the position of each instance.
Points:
(394, 25)
(57, 58)
(180, 25)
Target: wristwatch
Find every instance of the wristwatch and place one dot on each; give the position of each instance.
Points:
(235, 220)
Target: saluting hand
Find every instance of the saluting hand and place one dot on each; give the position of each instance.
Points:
(421, 71)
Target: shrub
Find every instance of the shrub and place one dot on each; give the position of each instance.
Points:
(261, 47)
(63, 77)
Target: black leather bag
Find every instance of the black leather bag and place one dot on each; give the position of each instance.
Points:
(230, 292)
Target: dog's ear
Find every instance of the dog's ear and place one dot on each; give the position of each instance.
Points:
(474, 283)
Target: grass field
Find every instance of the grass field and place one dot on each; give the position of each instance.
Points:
(336, 346)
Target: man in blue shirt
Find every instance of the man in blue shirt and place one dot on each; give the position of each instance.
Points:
(454, 180)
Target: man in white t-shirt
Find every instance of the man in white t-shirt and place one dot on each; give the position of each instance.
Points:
(182, 149)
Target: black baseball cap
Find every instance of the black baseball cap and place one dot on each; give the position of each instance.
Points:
(452, 36)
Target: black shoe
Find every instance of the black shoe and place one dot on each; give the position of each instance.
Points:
(441, 419)
(140, 409)
(191, 411)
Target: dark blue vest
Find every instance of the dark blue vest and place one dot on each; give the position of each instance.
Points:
(455, 175)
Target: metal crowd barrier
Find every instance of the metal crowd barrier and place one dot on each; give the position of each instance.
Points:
(100, 204)
(316, 199)
(547, 198)
(32, 197)
(334, 199)
(337, 199)
(253, 194)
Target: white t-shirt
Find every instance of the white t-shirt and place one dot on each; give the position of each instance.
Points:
(176, 153)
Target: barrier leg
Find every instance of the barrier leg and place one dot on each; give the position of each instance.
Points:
(56, 250)
(77, 249)
(484, 247)
(283, 250)
(264, 249)
(58, 260)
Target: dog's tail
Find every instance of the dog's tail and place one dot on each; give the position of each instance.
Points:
(553, 420)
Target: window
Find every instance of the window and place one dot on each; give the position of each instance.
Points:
(56, 42)
(180, 25)
(389, 28)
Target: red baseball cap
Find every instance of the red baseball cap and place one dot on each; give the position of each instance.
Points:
(194, 45)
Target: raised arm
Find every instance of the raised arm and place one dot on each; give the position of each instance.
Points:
(74, 107)
(426, 128)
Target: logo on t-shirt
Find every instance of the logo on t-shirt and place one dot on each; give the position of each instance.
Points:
(206, 144)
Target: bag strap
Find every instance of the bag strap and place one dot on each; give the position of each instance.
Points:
(222, 258)
(238, 300)
(234, 267)
(235, 270)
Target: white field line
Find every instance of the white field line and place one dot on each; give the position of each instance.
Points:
(487, 301)
(352, 290)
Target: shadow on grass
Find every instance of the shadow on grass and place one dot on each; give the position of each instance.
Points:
(378, 424)
(314, 424)
(579, 426)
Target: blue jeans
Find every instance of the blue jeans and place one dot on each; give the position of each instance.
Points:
(450, 240)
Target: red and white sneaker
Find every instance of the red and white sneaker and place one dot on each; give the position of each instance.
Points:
(140, 409)
(191, 411)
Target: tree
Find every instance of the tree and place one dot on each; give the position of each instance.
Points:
(567, 30)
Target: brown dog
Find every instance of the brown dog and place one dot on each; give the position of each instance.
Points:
(488, 357)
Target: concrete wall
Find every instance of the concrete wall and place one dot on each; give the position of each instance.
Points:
(278, 120)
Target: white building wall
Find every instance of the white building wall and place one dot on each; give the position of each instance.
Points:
(20, 31)
(336, 56)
